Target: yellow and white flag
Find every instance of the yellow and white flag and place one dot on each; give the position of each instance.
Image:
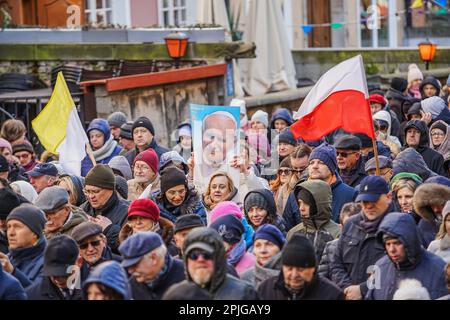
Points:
(59, 128)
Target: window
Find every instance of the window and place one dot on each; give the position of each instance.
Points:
(98, 12)
(172, 13)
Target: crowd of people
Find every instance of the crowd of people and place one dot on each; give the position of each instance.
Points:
(309, 220)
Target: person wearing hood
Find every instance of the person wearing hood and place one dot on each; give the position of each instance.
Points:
(429, 202)
(93, 247)
(146, 176)
(384, 120)
(108, 281)
(268, 241)
(103, 204)
(74, 186)
(349, 159)
(103, 145)
(441, 246)
(229, 207)
(358, 248)
(281, 118)
(405, 259)
(298, 279)
(176, 198)
(9, 200)
(25, 189)
(115, 121)
(403, 186)
(438, 109)
(152, 269)
(143, 216)
(416, 136)
(314, 202)
(25, 226)
(172, 158)
(440, 138)
(231, 230)
(60, 257)
(430, 87)
(61, 217)
(121, 167)
(220, 188)
(409, 160)
(144, 138)
(184, 146)
(379, 103)
(260, 208)
(205, 265)
(415, 78)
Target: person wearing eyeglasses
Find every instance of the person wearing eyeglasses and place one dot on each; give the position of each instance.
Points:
(146, 176)
(440, 138)
(62, 217)
(103, 204)
(284, 175)
(205, 262)
(176, 197)
(152, 269)
(25, 153)
(349, 160)
(93, 247)
(385, 165)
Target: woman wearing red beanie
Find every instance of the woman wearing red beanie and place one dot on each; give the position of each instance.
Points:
(144, 215)
(145, 172)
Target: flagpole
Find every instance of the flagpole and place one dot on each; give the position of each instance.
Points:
(377, 161)
(90, 154)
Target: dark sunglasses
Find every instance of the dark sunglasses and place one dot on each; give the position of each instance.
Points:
(284, 171)
(95, 243)
(344, 154)
(194, 255)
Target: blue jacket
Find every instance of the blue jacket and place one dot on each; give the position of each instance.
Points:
(112, 275)
(342, 194)
(130, 155)
(10, 287)
(356, 250)
(420, 264)
(191, 205)
(28, 262)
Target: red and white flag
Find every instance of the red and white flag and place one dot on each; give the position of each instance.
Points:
(338, 100)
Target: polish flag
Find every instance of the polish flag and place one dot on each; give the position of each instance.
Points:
(339, 99)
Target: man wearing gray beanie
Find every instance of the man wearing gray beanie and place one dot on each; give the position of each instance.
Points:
(25, 225)
(115, 121)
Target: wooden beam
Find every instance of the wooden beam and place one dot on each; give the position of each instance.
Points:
(165, 77)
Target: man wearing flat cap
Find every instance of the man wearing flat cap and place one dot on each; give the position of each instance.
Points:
(386, 170)
(61, 216)
(59, 273)
(93, 247)
(349, 160)
(152, 269)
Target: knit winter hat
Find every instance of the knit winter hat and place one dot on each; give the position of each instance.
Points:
(414, 73)
(327, 154)
(30, 216)
(411, 289)
(441, 126)
(24, 146)
(5, 144)
(255, 199)
(399, 84)
(172, 177)
(308, 198)
(270, 233)
(125, 130)
(229, 228)
(143, 122)
(150, 157)
(224, 208)
(9, 200)
(286, 163)
(286, 136)
(117, 119)
(120, 164)
(145, 208)
(101, 176)
(299, 252)
(262, 117)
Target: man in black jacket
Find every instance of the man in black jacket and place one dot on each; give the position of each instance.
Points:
(60, 257)
(416, 136)
(103, 203)
(152, 269)
(298, 279)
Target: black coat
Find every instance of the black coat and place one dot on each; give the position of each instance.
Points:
(319, 289)
(155, 290)
(44, 289)
(3, 243)
(355, 175)
(116, 210)
(130, 155)
(107, 255)
(356, 251)
(233, 288)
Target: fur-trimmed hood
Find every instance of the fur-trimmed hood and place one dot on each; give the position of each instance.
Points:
(427, 195)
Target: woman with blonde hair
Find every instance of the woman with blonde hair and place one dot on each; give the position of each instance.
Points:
(403, 186)
(220, 188)
(74, 186)
(13, 131)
